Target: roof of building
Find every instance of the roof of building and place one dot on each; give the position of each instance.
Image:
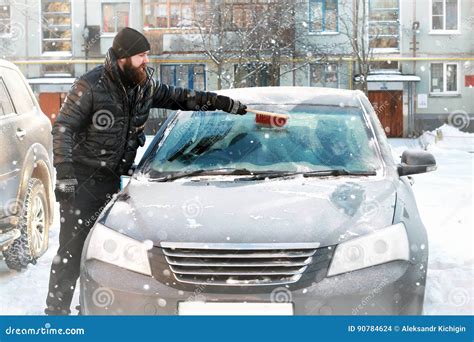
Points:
(390, 78)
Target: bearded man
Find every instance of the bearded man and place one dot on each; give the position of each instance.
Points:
(95, 139)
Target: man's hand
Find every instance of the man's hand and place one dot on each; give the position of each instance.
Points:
(66, 183)
(230, 106)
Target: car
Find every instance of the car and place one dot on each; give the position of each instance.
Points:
(26, 195)
(303, 212)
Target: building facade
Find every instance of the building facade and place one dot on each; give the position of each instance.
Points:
(414, 59)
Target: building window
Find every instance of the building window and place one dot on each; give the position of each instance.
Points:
(383, 65)
(57, 70)
(444, 15)
(444, 78)
(5, 20)
(323, 16)
(246, 15)
(115, 16)
(56, 26)
(384, 24)
(323, 75)
(242, 15)
(192, 76)
(253, 75)
(173, 13)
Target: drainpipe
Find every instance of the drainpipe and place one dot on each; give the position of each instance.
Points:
(86, 44)
(26, 38)
(413, 100)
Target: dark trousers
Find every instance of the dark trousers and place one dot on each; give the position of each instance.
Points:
(77, 218)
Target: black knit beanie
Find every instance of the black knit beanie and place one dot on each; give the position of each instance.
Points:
(129, 42)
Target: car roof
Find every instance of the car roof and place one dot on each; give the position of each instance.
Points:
(5, 63)
(295, 95)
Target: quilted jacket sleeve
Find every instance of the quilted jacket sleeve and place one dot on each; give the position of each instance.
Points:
(73, 117)
(175, 98)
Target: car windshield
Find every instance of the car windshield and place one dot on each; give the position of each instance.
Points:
(313, 138)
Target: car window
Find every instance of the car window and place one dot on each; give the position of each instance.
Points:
(314, 138)
(17, 88)
(5, 101)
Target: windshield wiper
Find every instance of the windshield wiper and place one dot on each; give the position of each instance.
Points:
(203, 172)
(269, 175)
(315, 173)
(259, 175)
(338, 172)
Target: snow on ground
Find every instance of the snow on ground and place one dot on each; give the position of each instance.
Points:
(445, 203)
(24, 293)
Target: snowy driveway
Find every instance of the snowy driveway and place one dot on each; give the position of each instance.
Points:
(445, 202)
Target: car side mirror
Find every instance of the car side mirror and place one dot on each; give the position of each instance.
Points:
(415, 161)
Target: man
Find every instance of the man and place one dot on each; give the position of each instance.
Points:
(95, 139)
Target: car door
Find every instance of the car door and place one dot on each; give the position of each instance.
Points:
(10, 156)
(27, 123)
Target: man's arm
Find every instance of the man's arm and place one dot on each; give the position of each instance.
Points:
(169, 97)
(73, 116)
(75, 113)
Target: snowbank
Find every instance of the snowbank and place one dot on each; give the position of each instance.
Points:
(448, 137)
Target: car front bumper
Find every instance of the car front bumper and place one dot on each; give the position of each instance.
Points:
(394, 288)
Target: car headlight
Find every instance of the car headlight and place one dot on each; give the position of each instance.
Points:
(111, 247)
(381, 246)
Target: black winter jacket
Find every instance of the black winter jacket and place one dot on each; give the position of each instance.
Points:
(100, 126)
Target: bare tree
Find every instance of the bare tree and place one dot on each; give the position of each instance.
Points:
(355, 26)
(257, 40)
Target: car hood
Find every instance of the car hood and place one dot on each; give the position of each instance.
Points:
(318, 210)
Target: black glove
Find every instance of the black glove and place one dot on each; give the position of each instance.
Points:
(66, 183)
(230, 106)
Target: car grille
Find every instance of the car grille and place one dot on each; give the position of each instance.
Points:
(243, 264)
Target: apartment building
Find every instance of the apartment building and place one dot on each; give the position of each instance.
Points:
(414, 59)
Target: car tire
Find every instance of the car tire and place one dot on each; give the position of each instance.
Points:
(34, 228)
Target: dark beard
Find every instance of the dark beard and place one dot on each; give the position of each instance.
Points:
(133, 75)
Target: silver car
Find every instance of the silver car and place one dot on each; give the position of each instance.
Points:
(26, 171)
(306, 214)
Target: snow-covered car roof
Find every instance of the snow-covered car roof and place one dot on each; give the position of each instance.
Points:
(294, 95)
(5, 63)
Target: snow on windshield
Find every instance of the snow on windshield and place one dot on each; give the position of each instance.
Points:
(314, 138)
